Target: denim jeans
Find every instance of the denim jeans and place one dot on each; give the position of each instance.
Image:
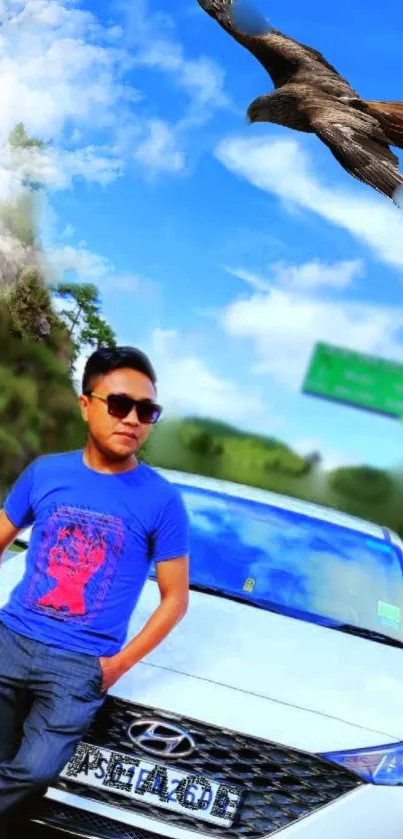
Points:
(48, 698)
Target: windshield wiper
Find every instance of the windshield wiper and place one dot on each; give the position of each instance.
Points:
(266, 605)
(281, 609)
(370, 634)
(262, 603)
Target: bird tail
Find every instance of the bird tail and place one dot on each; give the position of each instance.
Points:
(390, 117)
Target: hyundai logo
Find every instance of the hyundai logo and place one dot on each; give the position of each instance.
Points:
(161, 739)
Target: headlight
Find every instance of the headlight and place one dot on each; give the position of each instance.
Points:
(382, 765)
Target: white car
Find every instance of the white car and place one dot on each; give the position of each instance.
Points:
(275, 707)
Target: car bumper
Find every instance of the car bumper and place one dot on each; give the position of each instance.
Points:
(369, 812)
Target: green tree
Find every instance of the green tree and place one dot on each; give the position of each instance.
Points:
(83, 319)
(38, 405)
(200, 441)
(362, 483)
(286, 462)
(19, 139)
(32, 316)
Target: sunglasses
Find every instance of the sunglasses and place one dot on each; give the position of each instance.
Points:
(119, 405)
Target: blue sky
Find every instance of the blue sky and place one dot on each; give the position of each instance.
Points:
(224, 250)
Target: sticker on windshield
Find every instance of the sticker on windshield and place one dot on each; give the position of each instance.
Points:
(391, 613)
(249, 584)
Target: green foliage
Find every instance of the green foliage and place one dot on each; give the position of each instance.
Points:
(240, 450)
(362, 483)
(199, 441)
(222, 429)
(38, 406)
(82, 317)
(214, 427)
(213, 448)
(19, 139)
(32, 316)
(286, 462)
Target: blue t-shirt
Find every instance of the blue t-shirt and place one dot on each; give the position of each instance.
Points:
(93, 539)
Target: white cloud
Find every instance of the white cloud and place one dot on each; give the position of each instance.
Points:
(283, 325)
(204, 80)
(282, 168)
(87, 266)
(57, 169)
(160, 150)
(287, 314)
(307, 276)
(12, 255)
(188, 385)
(62, 75)
(255, 280)
(68, 231)
(158, 48)
(154, 45)
(128, 283)
(312, 275)
(65, 76)
(57, 65)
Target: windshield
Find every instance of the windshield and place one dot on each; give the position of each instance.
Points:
(316, 569)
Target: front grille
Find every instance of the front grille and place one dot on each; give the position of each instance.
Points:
(281, 785)
(71, 820)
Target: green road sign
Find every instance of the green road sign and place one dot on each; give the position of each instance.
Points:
(362, 381)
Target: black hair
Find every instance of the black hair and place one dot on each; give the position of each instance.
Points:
(107, 359)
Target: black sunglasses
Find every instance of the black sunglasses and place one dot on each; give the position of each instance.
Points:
(119, 406)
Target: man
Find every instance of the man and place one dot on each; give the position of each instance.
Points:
(99, 517)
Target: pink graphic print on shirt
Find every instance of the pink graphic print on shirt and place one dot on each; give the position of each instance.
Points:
(76, 563)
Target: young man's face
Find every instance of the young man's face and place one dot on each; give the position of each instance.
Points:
(119, 438)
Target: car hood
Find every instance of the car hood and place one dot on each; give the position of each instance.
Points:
(263, 674)
(273, 675)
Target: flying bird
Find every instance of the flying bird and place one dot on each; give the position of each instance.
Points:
(311, 96)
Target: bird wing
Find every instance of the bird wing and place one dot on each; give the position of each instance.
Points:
(281, 56)
(358, 143)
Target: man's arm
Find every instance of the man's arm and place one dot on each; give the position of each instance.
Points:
(173, 582)
(8, 532)
(17, 514)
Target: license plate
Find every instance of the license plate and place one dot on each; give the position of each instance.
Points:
(160, 785)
